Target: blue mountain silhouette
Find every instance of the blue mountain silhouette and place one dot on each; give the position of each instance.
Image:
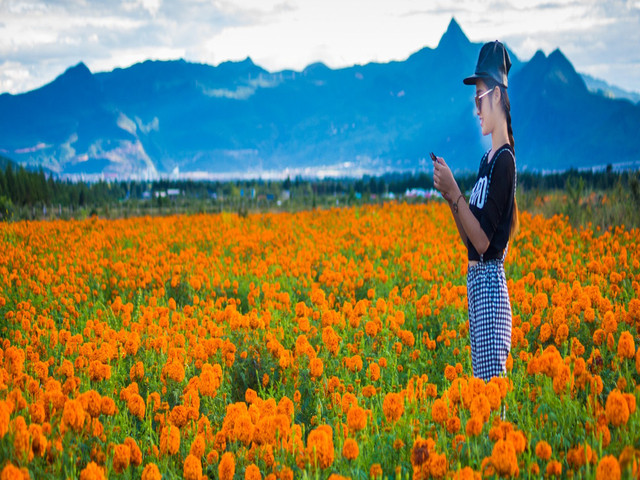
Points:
(156, 116)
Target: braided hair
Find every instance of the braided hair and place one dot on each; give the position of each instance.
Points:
(506, 106)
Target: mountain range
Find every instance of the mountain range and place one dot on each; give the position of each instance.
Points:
(236, 119)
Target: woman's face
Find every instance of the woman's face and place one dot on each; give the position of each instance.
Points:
(484, 107)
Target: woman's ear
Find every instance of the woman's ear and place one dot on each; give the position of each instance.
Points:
(496, 95)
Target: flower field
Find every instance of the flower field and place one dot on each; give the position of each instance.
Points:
(321, 344)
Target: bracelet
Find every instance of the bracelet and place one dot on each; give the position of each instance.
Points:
(455, 204)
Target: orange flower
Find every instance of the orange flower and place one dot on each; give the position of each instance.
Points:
(356, 418)
(474, 426)
(92, 472)
(121, 458)
(5, 413)
(350, 449)
(450, 372)
(454, 424)
(375, 471)
(73, 414)
(626, 346)
(136, 453)
(198, 446)
(439, 411)
(136, 405)
(480, 407)
(421, 451)
(320, 448)
(192, 469)
(608, 469)
(543, 450)
(331, 340)
(438, 465)
(466, 473)
(554, 468)
(503, 458)
(151, 472)
(227, 466)
(170, 440)
(393, 406)
(252, 473)
(617, 409)
(11, 472)
(107, 406)
(315, 367)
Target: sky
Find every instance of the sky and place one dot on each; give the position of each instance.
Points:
(40, 39)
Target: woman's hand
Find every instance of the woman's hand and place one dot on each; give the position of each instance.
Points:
(443, 180)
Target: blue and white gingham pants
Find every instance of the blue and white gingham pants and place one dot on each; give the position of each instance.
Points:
(489, 318)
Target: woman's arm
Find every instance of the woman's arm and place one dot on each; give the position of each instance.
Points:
(459, 226)
(467, 224)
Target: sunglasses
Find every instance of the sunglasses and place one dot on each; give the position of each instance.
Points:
(479, 97)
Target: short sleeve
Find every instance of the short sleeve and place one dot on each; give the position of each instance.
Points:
(500, 193)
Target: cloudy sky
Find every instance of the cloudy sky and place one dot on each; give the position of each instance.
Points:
(40, 39)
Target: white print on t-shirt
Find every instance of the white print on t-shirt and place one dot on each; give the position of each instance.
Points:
(479, 193)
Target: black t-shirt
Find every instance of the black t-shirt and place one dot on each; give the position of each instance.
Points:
(492, 200)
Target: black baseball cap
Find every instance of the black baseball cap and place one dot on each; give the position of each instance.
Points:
(493, 63)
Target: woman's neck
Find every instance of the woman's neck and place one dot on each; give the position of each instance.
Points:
(499, 137)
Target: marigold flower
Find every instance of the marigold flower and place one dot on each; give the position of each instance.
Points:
(350, 449)
(73, 414)
(467, 473)
(151, 472)
(227, 466)
(356, 418)
(136, 453)
(320, 448)
(616, 409)
(543, 450)
(438, 465)
(421, 451)
(252, 472)
(393, 406)
(92, 472)
(474, 426)
(136, 406)
(315, 367)
(192, 469)
(480, 407)
(169, 440)
(5, 414)
(107, 406)
(11, 472)
(198, 446)
(503, 458)
(450, 372)
(626, 346)
(608, 469)
(554, 468)
(454, 424)
(375, 471)
(121, 458)
(439, 411)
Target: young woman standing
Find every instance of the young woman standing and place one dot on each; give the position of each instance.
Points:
(490, 218)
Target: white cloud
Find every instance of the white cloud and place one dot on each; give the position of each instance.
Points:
(39, 39)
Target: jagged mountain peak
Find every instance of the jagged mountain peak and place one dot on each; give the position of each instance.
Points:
(454, 36)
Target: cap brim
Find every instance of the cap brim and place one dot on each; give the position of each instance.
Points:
(472, 80)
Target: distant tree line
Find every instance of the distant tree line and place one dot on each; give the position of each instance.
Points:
(22, 188)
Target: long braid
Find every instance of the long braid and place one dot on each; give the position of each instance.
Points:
(506, 104)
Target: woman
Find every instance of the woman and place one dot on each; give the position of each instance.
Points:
(490, 219)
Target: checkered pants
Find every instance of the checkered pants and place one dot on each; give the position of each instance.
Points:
(489, 319)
